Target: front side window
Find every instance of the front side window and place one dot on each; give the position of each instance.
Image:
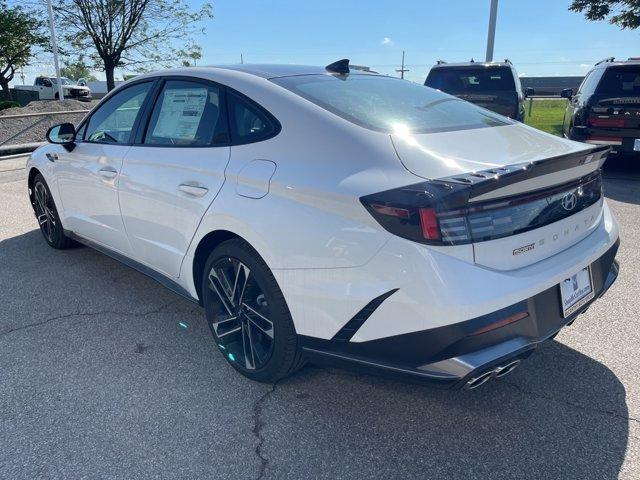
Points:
(389, 104)
(114, 121)
(471, 79)
(187, 114)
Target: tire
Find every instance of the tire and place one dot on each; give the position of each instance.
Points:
(47, 215)
(248, 315)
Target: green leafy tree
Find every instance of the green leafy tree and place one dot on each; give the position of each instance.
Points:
(624, 13)
(21, 34)
(191, 55)
(131, 34)
(76, 70)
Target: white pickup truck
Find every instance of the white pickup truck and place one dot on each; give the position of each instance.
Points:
(47, 89)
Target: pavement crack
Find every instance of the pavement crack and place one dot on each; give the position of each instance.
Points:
(568, 403)
(258, 425)
(85, 314)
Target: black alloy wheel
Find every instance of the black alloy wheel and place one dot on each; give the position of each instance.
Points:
(247, 313)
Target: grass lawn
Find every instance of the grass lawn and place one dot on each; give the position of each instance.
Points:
(546, 115)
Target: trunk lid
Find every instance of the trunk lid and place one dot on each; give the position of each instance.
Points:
(619, 116)
(516, 180)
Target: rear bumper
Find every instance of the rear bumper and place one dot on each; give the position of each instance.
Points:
(451, 355)
(621, 141)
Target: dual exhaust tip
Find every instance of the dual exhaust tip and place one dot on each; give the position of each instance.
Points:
(497, 372)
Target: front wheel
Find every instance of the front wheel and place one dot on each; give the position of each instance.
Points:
(47, 215)
(247, 313)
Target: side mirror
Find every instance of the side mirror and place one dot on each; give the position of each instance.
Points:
(567, 93)
(63, 134)
(529, 92)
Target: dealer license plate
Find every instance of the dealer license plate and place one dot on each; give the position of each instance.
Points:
(576, 291)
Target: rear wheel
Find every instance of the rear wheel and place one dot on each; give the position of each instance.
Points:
(247, 313)
(47, 215)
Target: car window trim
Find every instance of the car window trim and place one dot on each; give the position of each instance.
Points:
(153, 99)
(277, 126)
(85, 121)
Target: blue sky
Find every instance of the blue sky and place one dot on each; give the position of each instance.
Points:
(541, 37)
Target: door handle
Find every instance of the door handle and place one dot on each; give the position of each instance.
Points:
(192, 190)
(108, 172)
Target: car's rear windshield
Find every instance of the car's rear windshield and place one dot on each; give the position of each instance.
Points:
(389, 104)
(620, 81)
(471, 79)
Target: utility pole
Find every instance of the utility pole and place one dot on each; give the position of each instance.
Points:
(492, 30)
(402, 69)
(54, 47)
(241, 59)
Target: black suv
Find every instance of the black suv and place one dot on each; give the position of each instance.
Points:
(606, 108)
(494, 86)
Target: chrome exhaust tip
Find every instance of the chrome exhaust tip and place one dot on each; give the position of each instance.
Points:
(475, 382)
(507, 369)
(497, 372)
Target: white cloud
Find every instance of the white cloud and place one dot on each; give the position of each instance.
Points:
(387, 41)
(584, 65)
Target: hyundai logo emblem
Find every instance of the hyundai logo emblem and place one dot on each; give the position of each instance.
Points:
(569, 201)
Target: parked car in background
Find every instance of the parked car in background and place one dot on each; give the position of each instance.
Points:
(47, 88)
(606, 108)
(494, 86)
(337, 216)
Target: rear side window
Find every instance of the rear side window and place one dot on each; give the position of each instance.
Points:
(589, 83)
(471, 79)
(620, 81)
(389, 104)
(187, 114)
(249, 123)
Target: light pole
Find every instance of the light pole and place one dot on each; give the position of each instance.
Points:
(402, 69)
(492, 30)
(54, 47)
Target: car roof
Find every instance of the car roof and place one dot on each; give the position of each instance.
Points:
(473, 64)
(611, 62)
(269, 71)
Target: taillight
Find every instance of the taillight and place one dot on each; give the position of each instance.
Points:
(606, 122)
(429, 224)
(441, 214)
(603, 140)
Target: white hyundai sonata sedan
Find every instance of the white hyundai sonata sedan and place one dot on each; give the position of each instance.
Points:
(335, 216)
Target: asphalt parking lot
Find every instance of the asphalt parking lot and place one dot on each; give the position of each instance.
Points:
(106, 374)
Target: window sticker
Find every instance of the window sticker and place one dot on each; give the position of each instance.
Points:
(180, 113)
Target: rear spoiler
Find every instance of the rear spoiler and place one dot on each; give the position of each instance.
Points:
(484, 181)
(398, 210)
(619, 101)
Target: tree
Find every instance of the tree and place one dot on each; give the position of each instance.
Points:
(624, 13)
(138, 34)
(21, 33)
(76, 70)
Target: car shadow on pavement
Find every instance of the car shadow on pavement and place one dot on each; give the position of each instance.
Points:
(561, 414)
(622, 179)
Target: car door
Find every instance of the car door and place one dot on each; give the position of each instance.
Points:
(174, 171)
(88, 176)
(45, 88)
